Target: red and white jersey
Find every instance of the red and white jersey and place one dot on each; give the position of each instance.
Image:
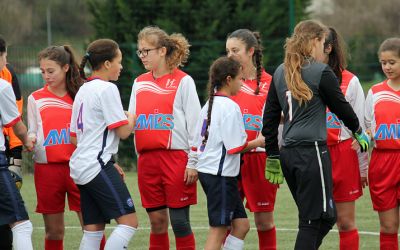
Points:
(226, 138)
(167, 110)
(252, 105)
(49, 117)
(336, 130)
(96, 112)
(382, 115)
(9, 114)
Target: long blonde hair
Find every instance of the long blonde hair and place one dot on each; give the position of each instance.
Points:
(298, 48)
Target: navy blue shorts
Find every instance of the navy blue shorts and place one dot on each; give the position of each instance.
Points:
(223, 199)
(12, 208)
(105, 197)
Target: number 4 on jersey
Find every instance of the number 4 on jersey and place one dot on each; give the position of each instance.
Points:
(79, 121)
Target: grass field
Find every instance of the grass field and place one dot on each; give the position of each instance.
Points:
(285, 219)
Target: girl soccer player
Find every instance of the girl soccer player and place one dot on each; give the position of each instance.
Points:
(302, 88)
(167, 107)
(98, 122)
(244, 46)
(12, 208)
(382, 114)
(49, 116)
(347, 164)
(221, 138)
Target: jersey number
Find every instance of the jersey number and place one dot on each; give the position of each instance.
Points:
(79, 121)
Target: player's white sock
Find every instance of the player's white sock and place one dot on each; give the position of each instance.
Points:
(120, 237)
(233, 243)
(22, 236)
(91, 240)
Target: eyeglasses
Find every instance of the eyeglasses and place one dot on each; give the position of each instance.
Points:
(144, 52)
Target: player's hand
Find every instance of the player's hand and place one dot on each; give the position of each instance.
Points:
(273, 170)
(120, 171)
(16, 172)
(261, 141)
(363, 139)
(364, 182)
(191, 176)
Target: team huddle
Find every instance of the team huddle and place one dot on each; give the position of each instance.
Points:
(309, 123)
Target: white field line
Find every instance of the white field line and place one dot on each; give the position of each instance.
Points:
(206, 228)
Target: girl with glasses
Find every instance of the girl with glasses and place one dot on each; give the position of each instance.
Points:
(167, 107)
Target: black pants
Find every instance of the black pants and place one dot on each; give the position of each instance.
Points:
(5, 237)
(308, 173)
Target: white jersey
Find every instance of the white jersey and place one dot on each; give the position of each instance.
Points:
(9, 114)
(227, 137)
(96, 111)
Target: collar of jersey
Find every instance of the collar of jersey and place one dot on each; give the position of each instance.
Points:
(93, 78)
(220, 94)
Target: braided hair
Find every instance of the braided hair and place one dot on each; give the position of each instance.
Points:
(219, 71)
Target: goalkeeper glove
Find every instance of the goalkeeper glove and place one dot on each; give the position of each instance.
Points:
(15, 170)
(362, 139)
(273, 170)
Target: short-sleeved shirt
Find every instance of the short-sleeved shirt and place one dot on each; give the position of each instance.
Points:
(226, 138)
(96, 112)
(9, 114)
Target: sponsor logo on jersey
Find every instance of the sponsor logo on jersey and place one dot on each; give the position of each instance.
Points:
(387, 132)
(55, 137)
(332, 121)
(252, 122)
(170, 84)
(155, 122)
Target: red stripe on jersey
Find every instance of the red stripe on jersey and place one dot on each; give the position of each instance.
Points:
(117, 124)
(73, 134)
(238, 149)
(13, 122)
(193, 149)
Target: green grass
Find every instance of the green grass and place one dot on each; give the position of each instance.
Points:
(285, 219)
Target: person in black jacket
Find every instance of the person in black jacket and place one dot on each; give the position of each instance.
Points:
(302, 88)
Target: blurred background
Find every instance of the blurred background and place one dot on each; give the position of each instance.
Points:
(31, 25)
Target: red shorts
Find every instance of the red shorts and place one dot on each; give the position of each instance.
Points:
(160, 179)
(384, 179)
(345, 172)
(260, 194)
(53, 182)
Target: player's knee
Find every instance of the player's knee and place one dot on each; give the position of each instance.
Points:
(180, 221)
(55, 233)
(264, 225)
(389, 226)
(345, 225)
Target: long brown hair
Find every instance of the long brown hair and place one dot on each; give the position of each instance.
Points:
(298, 49)
(176, 44)
(337, 57)
(252, 39)
(64, 55)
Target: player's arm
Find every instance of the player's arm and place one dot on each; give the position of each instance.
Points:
(333, 97)
(124, 131)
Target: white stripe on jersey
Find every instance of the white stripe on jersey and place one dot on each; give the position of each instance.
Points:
(44, 103)
(152, 87)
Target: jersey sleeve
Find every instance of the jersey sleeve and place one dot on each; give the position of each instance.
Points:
(369, 111)
(233, 133)
(9, 114)
(191, 108)
(132, 99)
(32, 116)
(112, 108)
(74, 117)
